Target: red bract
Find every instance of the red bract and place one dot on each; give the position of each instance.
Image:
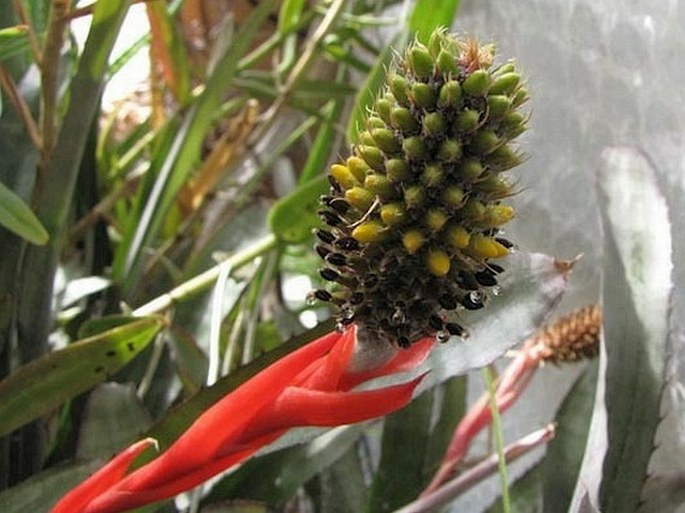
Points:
(309, 387)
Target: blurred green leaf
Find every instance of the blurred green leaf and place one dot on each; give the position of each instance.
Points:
(40, 386)
(565, 452)
(526, 494)
(323, 144)
(292, 218)
(290, 15)
(400, 478)
(112, 418)
(451, 401)
(40, 492)
(428, 15)
(275, 477)
(16, 216)
(635, 301)
(13, 41)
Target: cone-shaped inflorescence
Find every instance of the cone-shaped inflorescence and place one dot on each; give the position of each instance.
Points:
(414, 215)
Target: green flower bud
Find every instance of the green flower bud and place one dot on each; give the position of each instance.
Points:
(497, 215)
(385, 140)
(380, 185)
(376, 122)
(370, 231)
(413, 240)
(453, 196)
(512, 120)
(432, 175)
(457, 236)
(372, 156)
(393, 214)
(473, 210)
(450, 150)
(520, 97)
(434, 124)
(484, 142)
(383, 107)
(401, 119)
(420, 62)
(498, 106)
(503, 158)
(400, 89)
(505, 83)
(358, 168)
(343, 176)
(467, 121)
(423, 95)
(435, 43)
(398, 170)
(446, 63)
(435, 220)
(486, 247)
(507, 67)
(414, 196)
(415, 148)
(360, 198)
(438, 262)
(470, 169)
(366, 139)
(450, 94)
(495, 186)
(477, 83)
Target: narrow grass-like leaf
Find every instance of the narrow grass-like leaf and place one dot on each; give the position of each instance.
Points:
(292, 218)
(40, 386)
(290, 15)
(13, 41)
(427, 15)
(169, 51)
(400, 478)
(16, 216)
(498, 439)
(321, 149)
(526, 494)
(565, 453)
(636, 294)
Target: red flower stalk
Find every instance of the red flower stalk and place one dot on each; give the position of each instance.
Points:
(309, 387)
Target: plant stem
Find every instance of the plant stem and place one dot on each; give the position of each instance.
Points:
(205, 280)
(17, 100)
(54, 38)
(453, 489)
(33, 40)
(499, 442)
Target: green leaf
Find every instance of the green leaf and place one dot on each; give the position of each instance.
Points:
(428, 15)
(321, 149)
(290, 15)
(292, 218)
(13, 41)
(526, 494)
(16, 216)
(42, 385)
(565, 452)
(408, 429)
(635, 298)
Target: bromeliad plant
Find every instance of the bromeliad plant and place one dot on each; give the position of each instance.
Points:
(414, 220)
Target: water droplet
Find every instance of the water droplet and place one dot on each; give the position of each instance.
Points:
(310, 299)
(442, 336)
(496, 290)
(465, 335)
(398, 317)
(476, 296)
